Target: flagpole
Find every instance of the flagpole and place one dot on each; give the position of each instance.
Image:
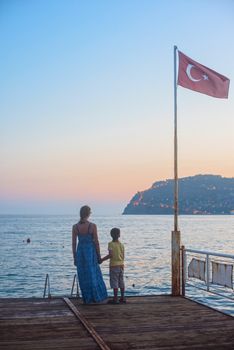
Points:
(175, 235)
(175, 146)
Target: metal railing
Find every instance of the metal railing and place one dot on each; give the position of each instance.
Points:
(75, 281)
(208, 258)
(47, 287)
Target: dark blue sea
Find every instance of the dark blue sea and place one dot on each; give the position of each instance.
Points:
(147, 242)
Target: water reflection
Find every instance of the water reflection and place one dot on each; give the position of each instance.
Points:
(147, 243)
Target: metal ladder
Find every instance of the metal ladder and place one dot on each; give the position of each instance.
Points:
(47, 287)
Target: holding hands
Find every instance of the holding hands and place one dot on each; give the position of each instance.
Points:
(100, 260)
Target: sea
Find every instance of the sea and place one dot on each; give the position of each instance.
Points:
(147, 240)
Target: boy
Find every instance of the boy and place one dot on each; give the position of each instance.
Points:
(116, 256)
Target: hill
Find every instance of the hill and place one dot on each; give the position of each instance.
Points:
(199, 194)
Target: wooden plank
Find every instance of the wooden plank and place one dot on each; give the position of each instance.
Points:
(151, 322)
(171, 323)
(87, 325)
(52, 344)
(41, 325)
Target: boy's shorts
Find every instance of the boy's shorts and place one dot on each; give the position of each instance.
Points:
(117, 277)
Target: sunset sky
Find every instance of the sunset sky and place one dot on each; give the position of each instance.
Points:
(86, 100)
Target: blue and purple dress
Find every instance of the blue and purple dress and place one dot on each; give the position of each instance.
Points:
(93, 288)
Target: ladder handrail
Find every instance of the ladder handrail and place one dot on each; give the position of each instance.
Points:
(75, 279)
(47, 287)
(47, 284)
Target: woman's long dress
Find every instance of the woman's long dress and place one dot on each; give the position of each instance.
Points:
(90, 278)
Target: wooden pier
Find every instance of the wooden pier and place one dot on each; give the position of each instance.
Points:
(152, 322)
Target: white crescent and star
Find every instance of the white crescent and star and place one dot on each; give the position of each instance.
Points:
(188, 72)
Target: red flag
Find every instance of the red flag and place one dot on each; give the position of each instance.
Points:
(194, 76)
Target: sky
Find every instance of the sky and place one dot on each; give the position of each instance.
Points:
(86, 100)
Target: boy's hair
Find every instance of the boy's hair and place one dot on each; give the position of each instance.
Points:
(115, 233)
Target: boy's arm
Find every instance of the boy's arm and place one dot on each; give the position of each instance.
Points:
(108, 256)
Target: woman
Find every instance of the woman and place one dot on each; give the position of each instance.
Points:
(87, 258)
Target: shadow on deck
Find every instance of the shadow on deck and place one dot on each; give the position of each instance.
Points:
(151, 322)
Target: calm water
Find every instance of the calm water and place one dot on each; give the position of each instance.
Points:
(147, 243)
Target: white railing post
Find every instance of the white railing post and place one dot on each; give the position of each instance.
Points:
(207, 272)
(183, 268)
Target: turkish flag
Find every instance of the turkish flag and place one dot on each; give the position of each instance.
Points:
(194, 76)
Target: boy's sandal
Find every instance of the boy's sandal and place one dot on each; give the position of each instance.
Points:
(112, 301)
(122, 300)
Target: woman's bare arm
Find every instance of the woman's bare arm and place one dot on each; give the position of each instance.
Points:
(74, 244)
(96, 242)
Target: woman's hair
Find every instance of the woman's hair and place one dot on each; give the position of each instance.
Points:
(84, 213)
(115, 233)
